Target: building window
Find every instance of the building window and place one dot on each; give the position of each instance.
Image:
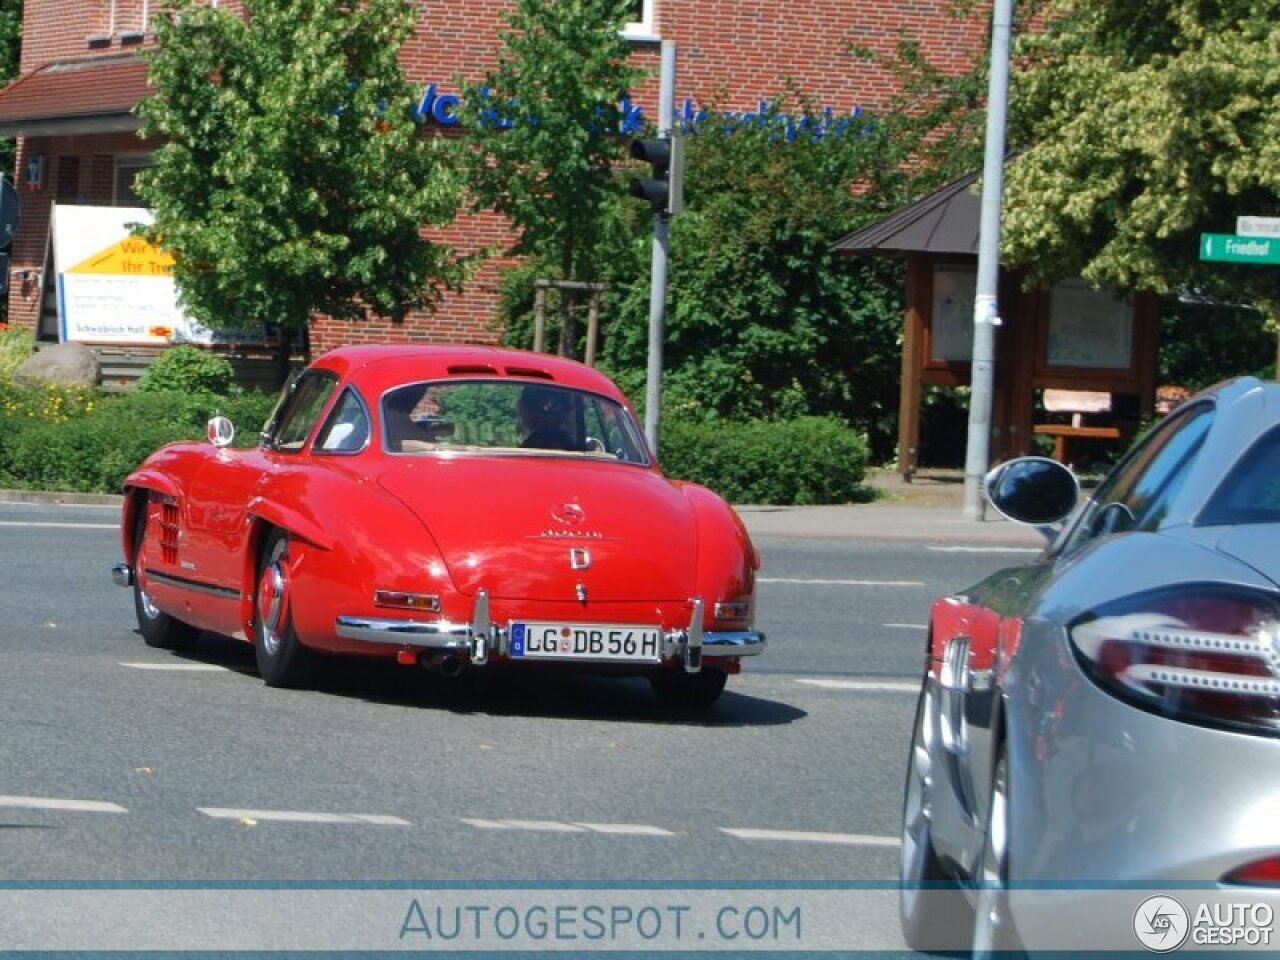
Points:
(125, 193)
(640, 24)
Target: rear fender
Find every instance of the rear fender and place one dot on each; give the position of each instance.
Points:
(264, 516)
(727, 559)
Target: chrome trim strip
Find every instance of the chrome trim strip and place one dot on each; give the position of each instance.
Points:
(122, 575)
(195, 586)
(439, 636)
(693, 639)
(733, 643)
(480, 629)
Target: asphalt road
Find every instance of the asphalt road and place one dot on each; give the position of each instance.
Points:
(124, 763)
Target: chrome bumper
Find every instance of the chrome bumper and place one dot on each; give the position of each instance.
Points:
(481, 637)
(122, 575)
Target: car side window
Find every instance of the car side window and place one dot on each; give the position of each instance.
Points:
(301, 410)
(347, 429)
(1136, 495)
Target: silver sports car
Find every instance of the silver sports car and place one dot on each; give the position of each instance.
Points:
(1109, 713)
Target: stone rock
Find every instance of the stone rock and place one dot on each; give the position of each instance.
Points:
(63, 364)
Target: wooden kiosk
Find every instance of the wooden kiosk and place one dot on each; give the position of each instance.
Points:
(1074, 363)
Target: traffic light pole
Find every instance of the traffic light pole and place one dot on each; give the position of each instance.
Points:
(661, 248)
(986, 314)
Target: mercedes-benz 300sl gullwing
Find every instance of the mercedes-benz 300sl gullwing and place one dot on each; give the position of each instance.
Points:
(455, 507)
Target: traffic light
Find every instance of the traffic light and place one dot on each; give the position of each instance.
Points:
(664, 189)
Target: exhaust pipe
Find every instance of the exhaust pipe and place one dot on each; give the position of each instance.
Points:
(446, 665)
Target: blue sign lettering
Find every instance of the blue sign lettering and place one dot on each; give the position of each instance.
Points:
(442, 108)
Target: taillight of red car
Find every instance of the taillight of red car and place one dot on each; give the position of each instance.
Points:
(1202, 654)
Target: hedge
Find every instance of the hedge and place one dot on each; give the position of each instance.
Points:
(77, 439)
(86, 441)
(804, 461)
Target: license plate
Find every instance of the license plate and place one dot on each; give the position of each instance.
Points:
(582, 641)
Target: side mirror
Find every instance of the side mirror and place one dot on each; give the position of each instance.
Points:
(1033, 490)
(221, 432)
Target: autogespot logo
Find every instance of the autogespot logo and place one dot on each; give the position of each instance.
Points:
(1161, 924)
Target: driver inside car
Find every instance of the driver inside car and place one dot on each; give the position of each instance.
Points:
(546, 417)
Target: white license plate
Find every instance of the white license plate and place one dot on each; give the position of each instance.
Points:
(585, 641)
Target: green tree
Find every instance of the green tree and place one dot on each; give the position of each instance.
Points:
(294, 178)
(1143, 125)
(542, 128)
(766, 320)
(10, 54)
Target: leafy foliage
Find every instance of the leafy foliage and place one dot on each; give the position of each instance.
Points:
(82, 440)
(293, 177)
(15, 347)
(10, 53)
(1144, 125)
(766, 320)
(804, 461)
(187, 369)
(542, 128)
(1202, 343)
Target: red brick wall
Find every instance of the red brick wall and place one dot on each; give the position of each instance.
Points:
(730, 54)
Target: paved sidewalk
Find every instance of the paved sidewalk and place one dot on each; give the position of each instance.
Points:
(931, 507)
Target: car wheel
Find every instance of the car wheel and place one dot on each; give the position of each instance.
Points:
(158, 629)
(675, 688)
(933, 913)
(282, 659)
(993, 930)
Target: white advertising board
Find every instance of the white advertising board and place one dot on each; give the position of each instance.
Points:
(114, 287)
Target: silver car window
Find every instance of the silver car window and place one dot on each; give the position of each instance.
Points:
(1137, 493)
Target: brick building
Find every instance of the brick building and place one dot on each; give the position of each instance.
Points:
(80, 76)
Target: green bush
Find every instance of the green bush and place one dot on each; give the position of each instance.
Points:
(88, 442)
(15, 347)
(804, 461)
(188, 369)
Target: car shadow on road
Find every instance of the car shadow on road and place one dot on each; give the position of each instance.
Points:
(510, 693)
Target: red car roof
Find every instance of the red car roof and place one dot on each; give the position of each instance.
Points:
(377, 367)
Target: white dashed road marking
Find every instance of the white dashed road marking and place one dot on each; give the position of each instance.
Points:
(806, 836)
(303, 816)
(963, 549)
(906, 626)
(898, 686)
(556, 826)
(67, 526)
(181, 667)
(843, 583)
(51, 803)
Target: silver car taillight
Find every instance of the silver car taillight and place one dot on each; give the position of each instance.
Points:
(1205, 655)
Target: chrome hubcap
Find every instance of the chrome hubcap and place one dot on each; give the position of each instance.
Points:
(272, 596)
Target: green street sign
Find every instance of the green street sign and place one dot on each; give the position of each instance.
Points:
(1235, 248)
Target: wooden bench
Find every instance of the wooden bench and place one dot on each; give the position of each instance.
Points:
(1078, 404)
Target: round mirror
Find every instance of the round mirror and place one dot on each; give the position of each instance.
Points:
(221, 432)
(1033, 490)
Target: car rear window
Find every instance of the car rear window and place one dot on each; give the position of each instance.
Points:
(509, 416)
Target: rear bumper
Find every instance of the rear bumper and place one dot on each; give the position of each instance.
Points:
(481, 637)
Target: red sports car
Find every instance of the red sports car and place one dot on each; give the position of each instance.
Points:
(455, 507)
